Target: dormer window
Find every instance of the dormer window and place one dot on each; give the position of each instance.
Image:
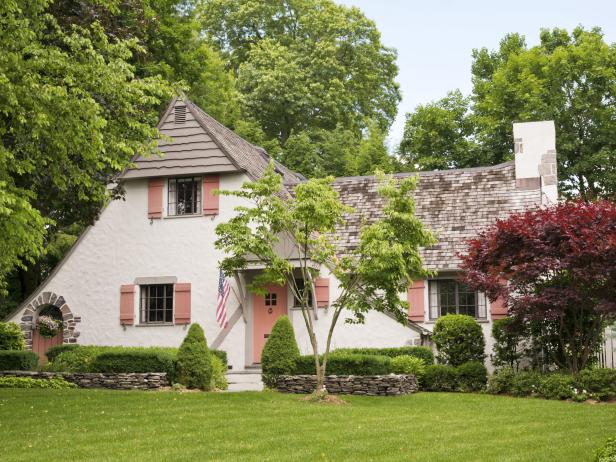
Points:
(184, 196)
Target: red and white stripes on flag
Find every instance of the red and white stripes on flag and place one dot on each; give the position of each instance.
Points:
(223, 295)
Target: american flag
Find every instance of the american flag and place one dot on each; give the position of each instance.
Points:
(223, 295)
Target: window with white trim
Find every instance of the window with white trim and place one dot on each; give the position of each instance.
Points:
(449, 296)
(184, 196)
(156, 303)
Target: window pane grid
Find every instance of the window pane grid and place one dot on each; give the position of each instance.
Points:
(447, 296)
(156, 304)
(184, 196)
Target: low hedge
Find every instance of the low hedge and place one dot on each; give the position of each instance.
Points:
(138, 361)
(467, 377)
(346, 364)
(598, 384)
(75, 358)
(57, 383)
(422, 352)
(54, 351)
(18, 360)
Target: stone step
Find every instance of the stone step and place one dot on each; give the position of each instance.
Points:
(246, 380)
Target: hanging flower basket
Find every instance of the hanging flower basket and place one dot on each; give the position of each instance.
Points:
(48, 326)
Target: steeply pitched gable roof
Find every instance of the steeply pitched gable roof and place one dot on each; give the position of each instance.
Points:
(201, 145)
(455, 204)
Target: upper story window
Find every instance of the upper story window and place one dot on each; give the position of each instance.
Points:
(184, 196)
(448, 296)
(156, 303)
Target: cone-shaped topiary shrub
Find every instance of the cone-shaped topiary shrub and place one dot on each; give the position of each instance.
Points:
(194, 363)
(280, 352)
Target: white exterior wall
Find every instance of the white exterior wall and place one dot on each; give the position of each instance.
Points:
(378, 331)
(123, 245)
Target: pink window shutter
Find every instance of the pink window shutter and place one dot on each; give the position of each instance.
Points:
(155, 198)
(182, 303)
(498, 309)
(416, 301)
(321, 286)
(127, 304)
(210, 201)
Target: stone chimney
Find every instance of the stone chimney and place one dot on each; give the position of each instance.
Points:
(535, 158)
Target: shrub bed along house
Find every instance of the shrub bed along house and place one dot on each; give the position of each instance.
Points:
(597, 384)
(17, 360)
(468, 377)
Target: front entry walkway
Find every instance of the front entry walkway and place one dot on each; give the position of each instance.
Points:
(248, 380)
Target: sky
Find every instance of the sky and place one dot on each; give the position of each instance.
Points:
(434, 39)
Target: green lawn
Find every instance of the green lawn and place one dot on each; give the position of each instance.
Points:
(49, 425)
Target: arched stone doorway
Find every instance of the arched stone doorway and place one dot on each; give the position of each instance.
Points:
(49, 301)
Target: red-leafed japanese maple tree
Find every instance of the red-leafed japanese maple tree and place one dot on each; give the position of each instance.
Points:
(555, 265)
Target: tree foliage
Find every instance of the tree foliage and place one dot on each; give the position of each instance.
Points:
(305, 69)
(560, 268)
(371, 277)
(73, 115)
(569, 78)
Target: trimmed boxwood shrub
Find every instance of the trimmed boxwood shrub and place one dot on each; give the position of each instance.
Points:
(608, 452)
(422, 352)
(54, 351)
(134, 361)
(18, 360)
(27, 382)
(472, 376)
(440, 377)
(279, 353)
(11, 336)
(194, 362)
(458, 339)
(408, 365)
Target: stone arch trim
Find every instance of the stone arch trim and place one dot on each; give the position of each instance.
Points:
(69, 320)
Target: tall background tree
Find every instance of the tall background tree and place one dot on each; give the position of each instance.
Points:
(568, 77)
(305, 69)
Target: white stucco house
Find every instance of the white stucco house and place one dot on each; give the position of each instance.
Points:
(148, 267)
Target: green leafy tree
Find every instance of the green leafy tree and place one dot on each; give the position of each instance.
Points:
(194, 362)
(305, 65)
(439, 135)
(372, 153)
(11, 337)
(372, 276)
(569, 78)
(280, 352)
(73, 115)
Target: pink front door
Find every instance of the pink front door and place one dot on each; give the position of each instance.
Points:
(41, 344)
(267, 309)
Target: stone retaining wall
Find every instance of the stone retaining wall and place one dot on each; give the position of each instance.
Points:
(114, 381)
(371, 385)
